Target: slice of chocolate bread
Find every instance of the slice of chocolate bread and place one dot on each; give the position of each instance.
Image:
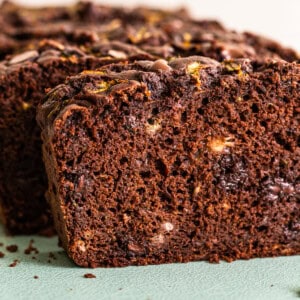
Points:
(175, 162)
(23, 80)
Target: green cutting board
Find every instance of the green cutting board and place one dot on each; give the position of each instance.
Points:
(59, 278)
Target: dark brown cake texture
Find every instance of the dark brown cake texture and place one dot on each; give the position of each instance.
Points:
(23, 80)
(97, 30)
(175, 162)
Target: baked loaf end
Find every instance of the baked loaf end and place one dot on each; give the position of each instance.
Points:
(174, 162)
(23, 81)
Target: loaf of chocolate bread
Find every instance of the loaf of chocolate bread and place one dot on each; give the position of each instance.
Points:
(23, 80)
(175, 162)
(95, 36)
(85, 23)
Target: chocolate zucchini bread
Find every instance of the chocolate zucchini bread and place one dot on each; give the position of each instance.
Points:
(85, 36)
(85, 23)
(23, 81)
(174, 162)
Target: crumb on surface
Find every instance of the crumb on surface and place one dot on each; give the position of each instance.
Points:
(12, 248)
(30, 249)
(2, 254)
(1, 244)
(89, 275)
(36, 277)
(51, 255)
(14, 263)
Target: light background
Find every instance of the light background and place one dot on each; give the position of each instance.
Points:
(278, 19)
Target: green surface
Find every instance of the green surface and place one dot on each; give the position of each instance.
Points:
(274, 278)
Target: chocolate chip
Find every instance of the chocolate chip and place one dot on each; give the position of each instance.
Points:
(26, 56)
(231, 50)
(47, 58)
(117, 54)
(52, 44)
(160, 65)
(50, 52)
(74, 51)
